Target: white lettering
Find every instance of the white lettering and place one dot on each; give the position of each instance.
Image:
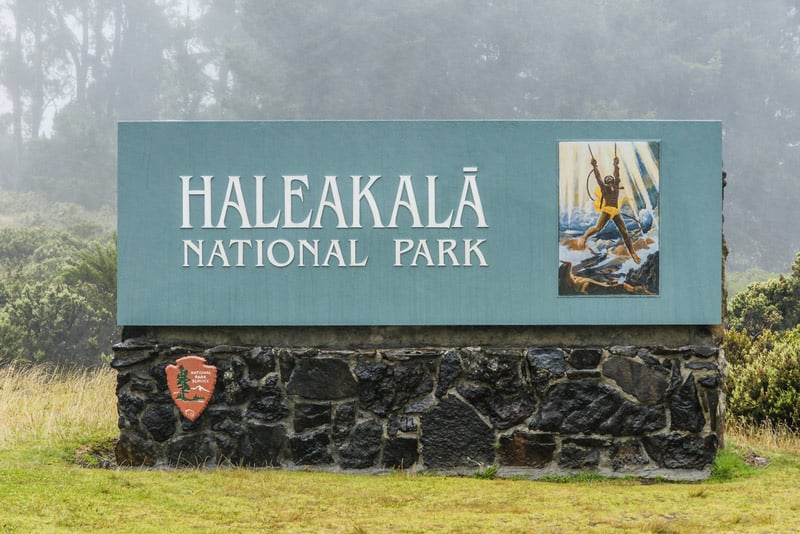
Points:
(239, 243)
(334, 251)
(354, 254)
(424, 251)
(260, 206)
(198, 249)
(234, 187)
(471, 186)
(218, 252)
(288, 194)
(469, 249)
(330, 188)
(411, 204)
(366, 194)
(401, 246)
(289, 253)
(260, 252)
(313, 249)
(446, 247)
(205, 193)
(432, 206)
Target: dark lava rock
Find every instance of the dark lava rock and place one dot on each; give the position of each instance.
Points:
(134, 451)
(530, 450)
(142, 382)
(676, 451)
(344, 418)
(453, 435)
(576, 407)
(229, 427)
(130, 407)
(322, 379)
(504, 411)
(125, 357)
(193, 450)
(401, 423)
(449, 371)
(702, 351)
(581, 453)
(364, 446)
(307, 416)
(546, 364)
(633, 420)
(159, 374)
(270, 404)
(385, 388)
(267, 443)
(500, 370)
(707, 366)
(685, 409)
(260, 363)
(628, 454)
(312, 448)
(585, 358)
(286, 362)
(400, 453)
(160, 421)
(646, 383)
(710, 382)
(231, 374)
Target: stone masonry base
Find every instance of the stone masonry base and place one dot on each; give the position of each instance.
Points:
(620, 410)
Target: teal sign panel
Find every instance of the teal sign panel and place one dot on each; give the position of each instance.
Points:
(420, 223)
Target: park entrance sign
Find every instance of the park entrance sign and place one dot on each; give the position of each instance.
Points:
(419, 223)
(537, 296)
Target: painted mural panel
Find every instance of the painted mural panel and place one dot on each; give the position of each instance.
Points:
(608, 218)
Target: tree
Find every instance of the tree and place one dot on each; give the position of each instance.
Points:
(96, 268)
(183, 383)
(30, 68)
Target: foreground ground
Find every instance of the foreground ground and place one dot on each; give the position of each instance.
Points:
(49, 423)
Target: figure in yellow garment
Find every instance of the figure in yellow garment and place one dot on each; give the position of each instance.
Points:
(609, 208)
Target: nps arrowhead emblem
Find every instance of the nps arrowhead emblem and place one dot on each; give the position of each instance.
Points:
(191, 383)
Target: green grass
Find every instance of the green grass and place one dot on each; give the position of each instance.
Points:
(43, 488)
(729, 465)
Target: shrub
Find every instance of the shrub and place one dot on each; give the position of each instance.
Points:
(54, 323)
(773, 305)
(57, 297)
(764, 386)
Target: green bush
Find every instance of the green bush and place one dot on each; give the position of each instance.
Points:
(54, 323)
(57, 297)
(770, 305)
(764, 384)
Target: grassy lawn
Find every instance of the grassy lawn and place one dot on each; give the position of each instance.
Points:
(45, 419)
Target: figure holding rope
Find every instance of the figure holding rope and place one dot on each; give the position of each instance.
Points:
(609, 207)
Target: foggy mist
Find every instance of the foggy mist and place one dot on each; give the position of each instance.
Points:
(69, 69)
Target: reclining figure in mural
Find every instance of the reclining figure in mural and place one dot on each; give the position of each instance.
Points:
(609, 208)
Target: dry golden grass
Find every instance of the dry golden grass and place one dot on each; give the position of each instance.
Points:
(44, 404)
(764, 437)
